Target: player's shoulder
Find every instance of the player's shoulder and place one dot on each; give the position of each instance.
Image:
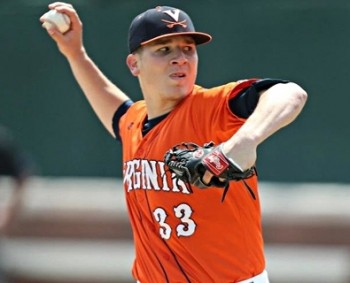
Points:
(223, 89)
(131, 111)
(137, 106)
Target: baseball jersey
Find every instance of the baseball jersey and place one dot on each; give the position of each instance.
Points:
(183, 233)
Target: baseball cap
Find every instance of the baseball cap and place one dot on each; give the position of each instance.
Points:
(159, 22)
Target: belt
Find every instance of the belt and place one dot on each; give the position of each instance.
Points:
(261, 278)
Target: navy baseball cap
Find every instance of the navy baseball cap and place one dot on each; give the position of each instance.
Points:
(159, 22)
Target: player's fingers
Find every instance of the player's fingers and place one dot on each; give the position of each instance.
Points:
(65, 8)
(51, 29)
(75, 22)
(72, 14)
(55, 34)
(58, 4)
(207, 177)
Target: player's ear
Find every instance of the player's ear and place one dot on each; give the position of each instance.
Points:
(132, 63)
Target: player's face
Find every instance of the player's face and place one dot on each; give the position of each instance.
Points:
(168, 67)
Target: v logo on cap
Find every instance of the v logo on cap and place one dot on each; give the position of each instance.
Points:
(173, 13)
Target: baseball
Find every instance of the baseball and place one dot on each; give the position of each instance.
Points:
(56, 19)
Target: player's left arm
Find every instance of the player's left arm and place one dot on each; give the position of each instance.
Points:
(277, 107)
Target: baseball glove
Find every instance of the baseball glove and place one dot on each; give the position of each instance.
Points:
(189, 162)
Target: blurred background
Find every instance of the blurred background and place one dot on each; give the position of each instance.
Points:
(68, 219)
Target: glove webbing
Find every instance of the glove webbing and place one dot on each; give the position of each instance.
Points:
(249, 189)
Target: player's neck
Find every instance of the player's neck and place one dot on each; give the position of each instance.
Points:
(159, 107)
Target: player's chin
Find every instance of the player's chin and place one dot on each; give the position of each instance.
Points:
(182, 89)
(177, 93)
(182, 83)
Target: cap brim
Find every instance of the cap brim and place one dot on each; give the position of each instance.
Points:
(199, 37)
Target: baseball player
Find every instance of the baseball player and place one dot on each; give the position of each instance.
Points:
(19, 167)
(184, 228)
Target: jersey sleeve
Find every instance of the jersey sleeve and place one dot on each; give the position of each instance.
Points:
(243, 104)
(118, 114)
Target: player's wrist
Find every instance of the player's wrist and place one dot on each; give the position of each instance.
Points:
(78, 54)
(229, 159)
(240, 152)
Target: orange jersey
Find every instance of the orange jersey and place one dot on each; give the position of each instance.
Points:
(181, 236)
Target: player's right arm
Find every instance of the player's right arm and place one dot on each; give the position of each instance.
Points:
(103, 96)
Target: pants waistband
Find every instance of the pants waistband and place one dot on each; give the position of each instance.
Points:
(261, 278)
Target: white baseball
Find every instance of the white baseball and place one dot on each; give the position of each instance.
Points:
(56, 19)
